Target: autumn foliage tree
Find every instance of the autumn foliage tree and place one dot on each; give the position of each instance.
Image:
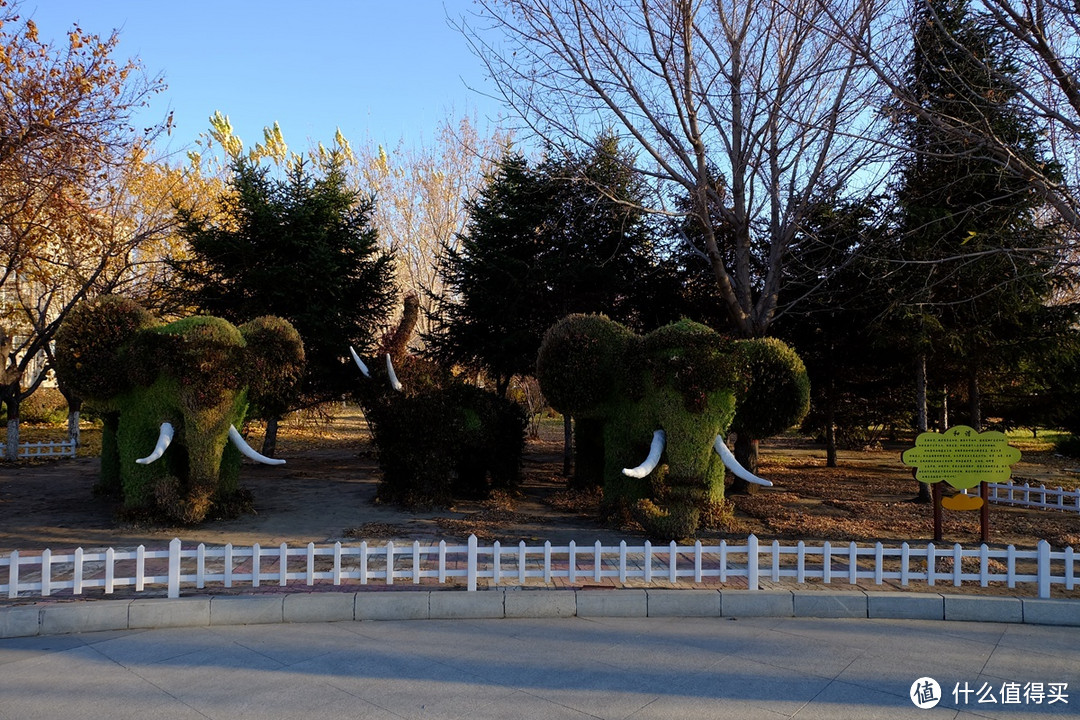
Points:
(67, 154)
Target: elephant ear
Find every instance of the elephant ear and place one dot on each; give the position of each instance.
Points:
(91, 344)
(775, 392)
(275, 363)
(580, 362)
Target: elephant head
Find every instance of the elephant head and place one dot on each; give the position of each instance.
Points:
(668, 397)
(173, 395)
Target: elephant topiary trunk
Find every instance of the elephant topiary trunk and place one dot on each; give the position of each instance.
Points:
(172, 396)
(671, 396)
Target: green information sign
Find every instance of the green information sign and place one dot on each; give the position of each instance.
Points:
(962, 457)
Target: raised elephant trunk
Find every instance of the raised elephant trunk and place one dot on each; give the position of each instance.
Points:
(165, 436)
(249, 452)
(652, 460)
(734, 465)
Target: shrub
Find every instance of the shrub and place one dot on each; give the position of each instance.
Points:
(1068, 445)
(438, 445)
(578, 362)
(45, 405)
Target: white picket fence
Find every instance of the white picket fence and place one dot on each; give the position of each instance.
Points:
(42, 575)
(30, 451)
(1040, 497)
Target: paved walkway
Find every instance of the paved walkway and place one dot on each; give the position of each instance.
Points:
(548, 669)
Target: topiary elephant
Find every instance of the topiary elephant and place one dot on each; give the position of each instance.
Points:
(438, 438)
(172, 396)
(672, 394)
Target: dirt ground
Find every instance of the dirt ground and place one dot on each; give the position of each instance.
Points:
(326, 491)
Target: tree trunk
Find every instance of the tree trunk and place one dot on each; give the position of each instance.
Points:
(269, 446)
(568, 446)
(945, 408)
(11, 402)
(74, 408)
(746, 452)
(974, 401)
(830, 423)
(921, 416)
(830, 438)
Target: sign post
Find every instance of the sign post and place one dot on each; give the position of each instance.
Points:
(964, 458)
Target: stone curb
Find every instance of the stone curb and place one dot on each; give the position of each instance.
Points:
(141, 613)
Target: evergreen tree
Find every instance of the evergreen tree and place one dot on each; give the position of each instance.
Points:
(301, 247)
(497, 301)
(833, 325)
(975, 259)
(565, 236)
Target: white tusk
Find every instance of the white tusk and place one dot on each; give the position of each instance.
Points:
(359, 362)
(650, 462)
(733, 465)
(248, 451)
(394, 383)
(165, 436)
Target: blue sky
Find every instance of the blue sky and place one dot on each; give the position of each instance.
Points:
(381, 70)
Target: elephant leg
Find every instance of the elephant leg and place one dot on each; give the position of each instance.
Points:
(588, 454)
(110, 483)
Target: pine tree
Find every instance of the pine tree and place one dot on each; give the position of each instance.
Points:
(498, 300)
(975, 258)
(301, 247)
(565, 236)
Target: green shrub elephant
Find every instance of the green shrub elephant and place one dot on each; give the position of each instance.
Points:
(172, 396)
(669, 397)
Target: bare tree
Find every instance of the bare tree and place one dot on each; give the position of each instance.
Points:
(1042, 45)
(748, 109)
(421, 195)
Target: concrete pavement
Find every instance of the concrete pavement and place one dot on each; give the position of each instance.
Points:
(547, 668)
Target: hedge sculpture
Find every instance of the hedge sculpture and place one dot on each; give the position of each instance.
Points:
(437, 437)
(172, 396)
(671, 395)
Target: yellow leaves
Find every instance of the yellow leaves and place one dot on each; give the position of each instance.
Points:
(31, 31)
(221, 131)
(273, 145)
(343, 143)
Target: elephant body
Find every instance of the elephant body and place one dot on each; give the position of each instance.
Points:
(437, 438)
(198, 375)
(685, 380)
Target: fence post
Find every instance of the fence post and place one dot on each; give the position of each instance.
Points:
(174, 568)
(389, 562)
(752, 563)
(471, 564)
(1043, 554)
(13, 575)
